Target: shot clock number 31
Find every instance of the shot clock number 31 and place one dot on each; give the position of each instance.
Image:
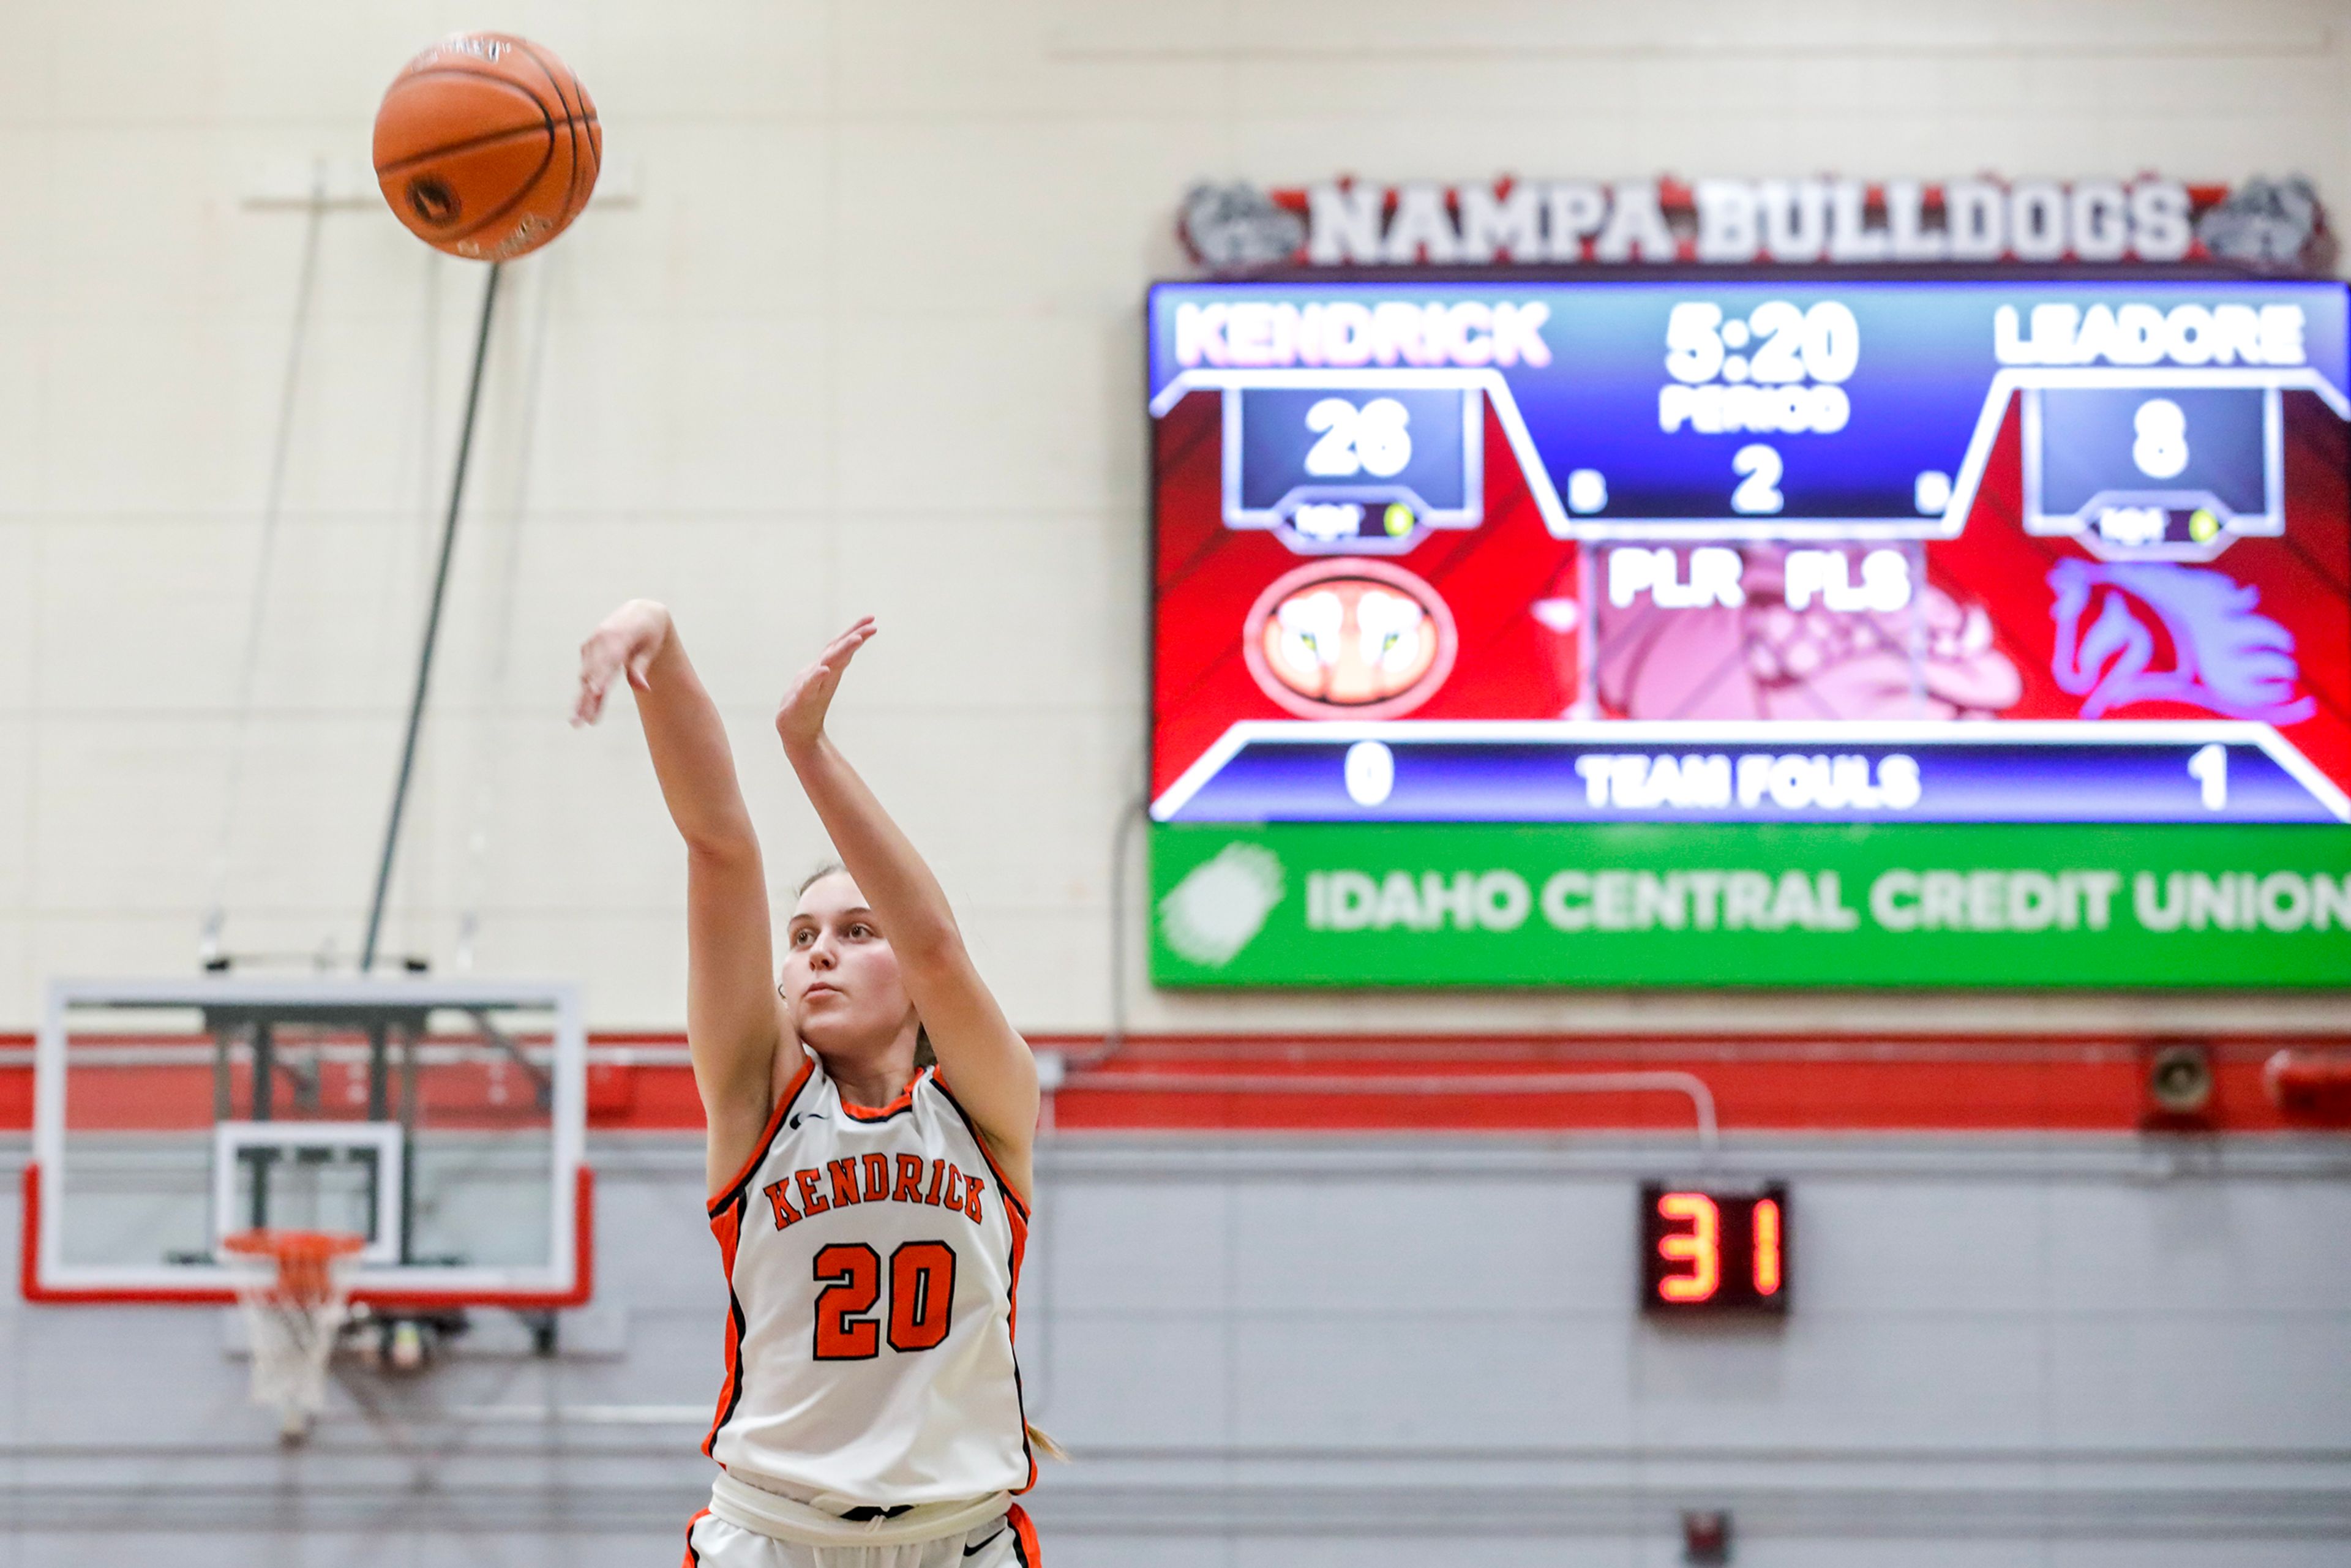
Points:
(1706, 1252)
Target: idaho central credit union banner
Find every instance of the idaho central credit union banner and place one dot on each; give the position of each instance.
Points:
(1690, 632)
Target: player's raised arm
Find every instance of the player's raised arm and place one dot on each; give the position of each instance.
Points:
(981, 1057)
(732, 1025)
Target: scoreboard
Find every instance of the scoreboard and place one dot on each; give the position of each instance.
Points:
(1564, 555)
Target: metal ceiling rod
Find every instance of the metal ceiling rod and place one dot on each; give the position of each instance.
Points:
(431, 625)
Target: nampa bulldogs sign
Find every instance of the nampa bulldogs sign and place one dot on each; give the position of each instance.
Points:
(2272, 226)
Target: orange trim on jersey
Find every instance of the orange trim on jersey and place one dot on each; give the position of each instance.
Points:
(727, 1194)
(870, 1114)
(1024, 1538)
(693, 1558)
(985, 1153)
(727, 1227)
(1016, 1216)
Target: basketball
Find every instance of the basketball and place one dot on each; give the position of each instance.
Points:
(486, 146)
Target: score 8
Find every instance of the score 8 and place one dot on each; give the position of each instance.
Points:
(2161, 447)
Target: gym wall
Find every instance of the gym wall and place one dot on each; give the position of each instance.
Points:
(855, 327)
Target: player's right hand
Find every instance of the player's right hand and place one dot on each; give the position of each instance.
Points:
(799, 718)
(623, 644)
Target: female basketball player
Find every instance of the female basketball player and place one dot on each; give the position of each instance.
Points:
(871, 1218)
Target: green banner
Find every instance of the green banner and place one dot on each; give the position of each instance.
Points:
(1748, 904)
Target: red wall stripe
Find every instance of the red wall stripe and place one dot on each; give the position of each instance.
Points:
(1779, 1083)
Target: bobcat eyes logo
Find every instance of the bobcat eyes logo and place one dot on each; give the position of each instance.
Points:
(2170, 633)
(1349, 639)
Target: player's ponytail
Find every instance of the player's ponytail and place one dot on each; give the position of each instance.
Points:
(1042, 1441)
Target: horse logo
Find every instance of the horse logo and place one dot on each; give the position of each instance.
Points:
(2223, 656)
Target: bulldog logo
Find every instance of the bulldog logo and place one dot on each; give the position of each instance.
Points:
(2271, 226)
(1230, 228)
(1349, 639)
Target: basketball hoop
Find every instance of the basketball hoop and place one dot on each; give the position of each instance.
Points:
(295, 1288)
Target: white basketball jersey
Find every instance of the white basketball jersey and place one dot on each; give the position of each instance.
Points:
(872, 1260)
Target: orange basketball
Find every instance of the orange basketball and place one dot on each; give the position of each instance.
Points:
(486, 146)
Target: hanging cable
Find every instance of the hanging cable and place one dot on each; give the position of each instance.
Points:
(500, 602)
(208, 942)
(1134, 814)
(431, 625)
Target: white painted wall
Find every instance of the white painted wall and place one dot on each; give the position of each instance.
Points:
(867, 340)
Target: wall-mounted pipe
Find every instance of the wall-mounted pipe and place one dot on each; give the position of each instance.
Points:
(1666, 1081)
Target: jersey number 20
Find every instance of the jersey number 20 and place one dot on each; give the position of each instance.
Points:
(922, 1297)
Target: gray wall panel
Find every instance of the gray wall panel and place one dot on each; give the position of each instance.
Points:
(1149, 1248)
(1456, 1249)
(1927, 1246)
(2215, 1246)
(2250, 1379)
(1409, 1379)
(2062, 1352)
(1103, 1372)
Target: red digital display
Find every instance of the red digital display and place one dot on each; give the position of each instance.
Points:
(1709, 1252)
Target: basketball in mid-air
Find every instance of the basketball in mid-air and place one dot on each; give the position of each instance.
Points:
(488, 146)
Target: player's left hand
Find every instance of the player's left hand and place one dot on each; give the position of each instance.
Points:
(799, 718)
(624, 644)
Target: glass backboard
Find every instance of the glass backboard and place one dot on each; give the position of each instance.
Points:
(439, 1121)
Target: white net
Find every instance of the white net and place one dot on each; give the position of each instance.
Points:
(295, 1288)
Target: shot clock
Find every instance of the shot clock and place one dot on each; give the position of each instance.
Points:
(1707, 1251)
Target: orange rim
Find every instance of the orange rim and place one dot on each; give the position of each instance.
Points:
(305, 1258)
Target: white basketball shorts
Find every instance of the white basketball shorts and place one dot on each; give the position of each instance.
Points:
(1009, 1542)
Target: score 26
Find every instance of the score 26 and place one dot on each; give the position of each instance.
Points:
(1373, 439)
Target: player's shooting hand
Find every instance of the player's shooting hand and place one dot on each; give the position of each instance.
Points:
(624, 644)
(799, 718)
